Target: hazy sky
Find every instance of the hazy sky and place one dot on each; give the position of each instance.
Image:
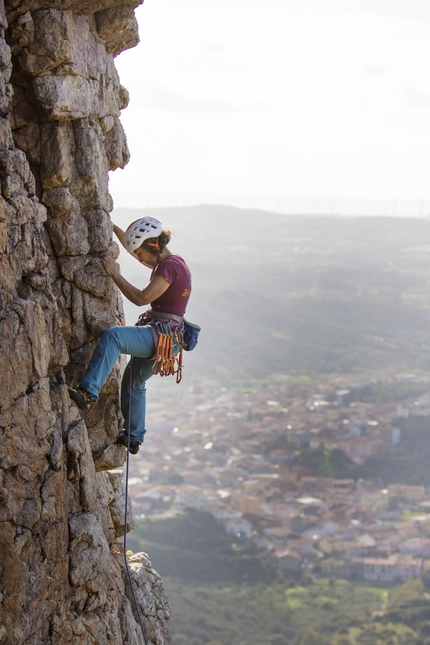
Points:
(298, 98)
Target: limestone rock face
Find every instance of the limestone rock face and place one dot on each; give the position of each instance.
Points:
(62, 501)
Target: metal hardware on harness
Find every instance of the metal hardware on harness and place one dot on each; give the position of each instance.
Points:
(165, 364)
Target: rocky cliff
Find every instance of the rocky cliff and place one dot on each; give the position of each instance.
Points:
(62, 502)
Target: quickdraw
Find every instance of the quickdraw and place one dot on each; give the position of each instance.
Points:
(165, 364)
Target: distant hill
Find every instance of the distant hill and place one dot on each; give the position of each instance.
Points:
(278, 294)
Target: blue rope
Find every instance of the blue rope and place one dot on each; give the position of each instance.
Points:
(126, 502)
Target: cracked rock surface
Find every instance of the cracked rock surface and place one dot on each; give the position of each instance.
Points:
(61, 497)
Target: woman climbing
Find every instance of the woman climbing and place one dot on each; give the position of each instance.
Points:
(168, 292)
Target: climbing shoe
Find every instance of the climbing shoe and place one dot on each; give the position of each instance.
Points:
(123, 441)
(82, 399)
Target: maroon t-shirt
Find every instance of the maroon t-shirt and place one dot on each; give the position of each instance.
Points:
(175, 299)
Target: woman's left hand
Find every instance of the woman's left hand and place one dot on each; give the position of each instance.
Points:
(110, 265)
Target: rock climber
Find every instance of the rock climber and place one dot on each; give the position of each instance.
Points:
(167, 293)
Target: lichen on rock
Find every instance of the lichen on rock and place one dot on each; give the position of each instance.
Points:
(62, 501)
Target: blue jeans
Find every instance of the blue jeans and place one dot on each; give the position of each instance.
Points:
(139, 343)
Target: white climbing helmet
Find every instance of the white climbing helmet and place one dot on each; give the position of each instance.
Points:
(140, 230)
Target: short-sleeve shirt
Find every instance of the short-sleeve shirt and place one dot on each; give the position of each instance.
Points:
(175, 299)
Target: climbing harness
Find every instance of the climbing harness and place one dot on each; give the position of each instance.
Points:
(124, 554)
(167, 330)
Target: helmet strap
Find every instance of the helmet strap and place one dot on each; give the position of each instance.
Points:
(155, 244)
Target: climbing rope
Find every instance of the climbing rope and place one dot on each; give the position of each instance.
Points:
(126, 507)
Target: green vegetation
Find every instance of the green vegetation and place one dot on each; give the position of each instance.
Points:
(225, 593)
(408, 463)
(385, 392)
(337, 614)
(196, 549)
(326, 464)
(243, 614)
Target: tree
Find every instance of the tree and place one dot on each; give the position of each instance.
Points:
(406, 593)
(341, 639)
(181, 639)
(278, 639)
(311, 637)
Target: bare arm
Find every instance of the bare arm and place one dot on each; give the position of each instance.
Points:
(120, 235)
(153, 290)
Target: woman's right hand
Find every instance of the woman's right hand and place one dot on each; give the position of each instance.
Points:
(110, 266)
